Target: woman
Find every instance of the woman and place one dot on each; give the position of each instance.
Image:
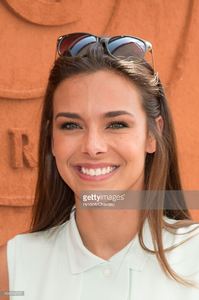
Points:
(106, 126)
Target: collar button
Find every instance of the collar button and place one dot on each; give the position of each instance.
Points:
(107, 272)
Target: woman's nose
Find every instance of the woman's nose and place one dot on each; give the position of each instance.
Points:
(94, 143)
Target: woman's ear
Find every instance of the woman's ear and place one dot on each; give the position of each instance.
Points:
(160, 124)
(151, 141)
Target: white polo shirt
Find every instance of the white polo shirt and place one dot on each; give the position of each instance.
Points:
(54, 264)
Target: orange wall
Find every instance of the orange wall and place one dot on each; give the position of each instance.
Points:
(29, 30)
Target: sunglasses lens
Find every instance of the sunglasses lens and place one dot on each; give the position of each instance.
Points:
(126, 47)
(75, 44)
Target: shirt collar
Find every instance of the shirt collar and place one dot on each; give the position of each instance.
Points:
(81, 259)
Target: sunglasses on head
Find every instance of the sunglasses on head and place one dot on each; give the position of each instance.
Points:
(121, 46)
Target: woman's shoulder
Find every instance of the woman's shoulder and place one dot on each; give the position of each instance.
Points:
(180, 230)
(31, 255)
(184, 241)
(40, 239)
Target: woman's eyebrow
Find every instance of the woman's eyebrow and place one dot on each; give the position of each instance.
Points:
(116, 113)
(108, 114)
(68, 115)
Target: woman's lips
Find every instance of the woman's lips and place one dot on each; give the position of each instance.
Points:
(95, 177)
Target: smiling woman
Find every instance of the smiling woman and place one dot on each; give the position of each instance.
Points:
(106, 126)
(93, 130)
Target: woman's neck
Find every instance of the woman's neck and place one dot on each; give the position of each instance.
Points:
(105, 232)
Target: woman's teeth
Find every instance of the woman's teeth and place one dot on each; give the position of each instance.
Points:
(98, 171)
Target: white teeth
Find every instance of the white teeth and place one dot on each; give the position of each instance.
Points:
(104, 171)
(98, 171)
(92, 172)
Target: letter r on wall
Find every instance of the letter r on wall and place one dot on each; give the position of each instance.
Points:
(21, 150)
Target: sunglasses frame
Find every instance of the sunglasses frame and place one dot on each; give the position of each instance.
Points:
(104, 41)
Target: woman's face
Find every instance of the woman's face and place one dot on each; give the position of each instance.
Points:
(99, 133)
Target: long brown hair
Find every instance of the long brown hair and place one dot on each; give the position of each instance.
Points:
(54, 199)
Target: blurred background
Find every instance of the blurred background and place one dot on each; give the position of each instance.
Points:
(28, 34)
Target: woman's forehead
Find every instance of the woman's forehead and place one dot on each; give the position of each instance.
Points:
(102, 90)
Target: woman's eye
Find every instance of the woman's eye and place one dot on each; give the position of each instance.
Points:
(70, 126)
(118, 125)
